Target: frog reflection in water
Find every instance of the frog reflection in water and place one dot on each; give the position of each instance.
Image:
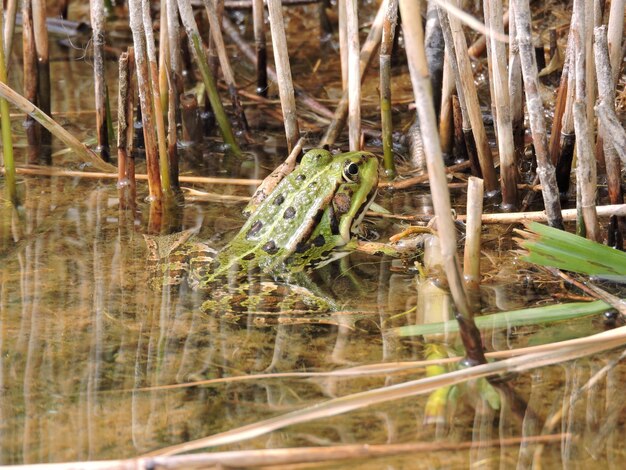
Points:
(308, 220)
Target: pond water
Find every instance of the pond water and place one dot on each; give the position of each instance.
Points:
(89, 352)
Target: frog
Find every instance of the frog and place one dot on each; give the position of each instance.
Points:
(311, 218)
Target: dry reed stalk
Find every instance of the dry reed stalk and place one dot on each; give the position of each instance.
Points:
(258, 20)
(606, 90)
(6, 159)
(343, 43)
(611, 210)
(86, 154)
(164, 165)
(43, 72)
(113, 174)
(500, 99)
(354, 76)
(173, 31)
(545, 169)
(283, 72)
(9, 29)
(471, 255)
(97, 39)
(145, 101)
(464, 77)
(303, 97)
(586, 180)
(516, 90)
(386, 44)
(125, 105)
(418, 68)
(191, 28)
(446, 122)
(293, 456)
(615, 37)
(367, 52)
(29, 53)
(227, 71)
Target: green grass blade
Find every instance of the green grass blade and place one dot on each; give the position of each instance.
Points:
(528, 316)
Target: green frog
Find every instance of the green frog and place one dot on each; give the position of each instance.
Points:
(308, 220)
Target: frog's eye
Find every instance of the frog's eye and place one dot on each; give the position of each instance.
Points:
(351, 171)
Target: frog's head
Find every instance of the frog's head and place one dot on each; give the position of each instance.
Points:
(357, 176)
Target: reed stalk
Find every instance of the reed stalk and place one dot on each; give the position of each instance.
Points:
(473, 222)
(615, 37)
(5, 121)
(389, 27)
(516, 89)
(227, 71)
(464, 77)
(173, 31)
(418, 69)
(343, 43)
(367, 51)
(500, 100)
(545, 169)
(446, 116)
(258, 20)
(97, 25)
(606, 90)
(191, 28)
(164, 165)
(354, 77)
(283, 72)
(586, 165)
(29, 52)
(84, 153)
(124, 130)
(9, 29)
(145, 101)
(43, 73)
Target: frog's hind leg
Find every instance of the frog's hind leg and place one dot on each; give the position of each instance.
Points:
(170, 257)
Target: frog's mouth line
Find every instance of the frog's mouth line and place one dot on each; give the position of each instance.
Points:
(360, 214)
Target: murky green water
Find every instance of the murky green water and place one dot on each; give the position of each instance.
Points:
(87, 349)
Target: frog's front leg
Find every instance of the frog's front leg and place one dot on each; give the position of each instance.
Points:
(401, 248)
